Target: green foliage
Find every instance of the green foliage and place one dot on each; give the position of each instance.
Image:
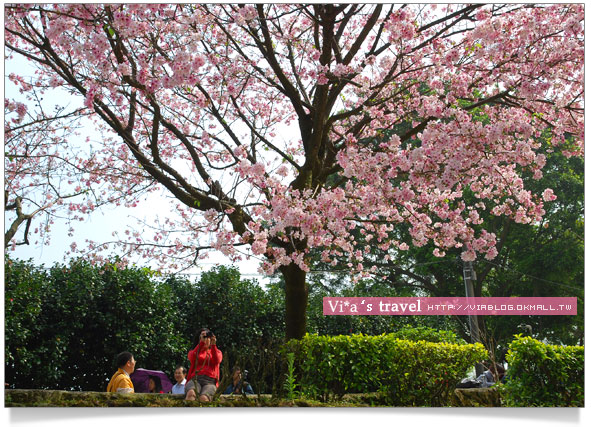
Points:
(290, 382)
(65, 325)
(544, 375)
(406, 373)
(23, 298)
(239, 312)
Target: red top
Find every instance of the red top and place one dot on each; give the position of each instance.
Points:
(208, 361)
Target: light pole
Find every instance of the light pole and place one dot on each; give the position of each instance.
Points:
(469, 278)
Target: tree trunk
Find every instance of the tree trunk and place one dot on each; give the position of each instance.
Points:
(296, 301)
(20, 218)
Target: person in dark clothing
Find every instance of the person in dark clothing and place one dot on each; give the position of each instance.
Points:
(238, 385)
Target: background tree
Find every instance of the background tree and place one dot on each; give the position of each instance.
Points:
(201, 97)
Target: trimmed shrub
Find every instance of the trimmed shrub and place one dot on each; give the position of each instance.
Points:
(405, 373)
(544, 375)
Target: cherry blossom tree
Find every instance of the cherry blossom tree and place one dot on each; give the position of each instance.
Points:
(24, 143)
(292, 127)
(47, 176)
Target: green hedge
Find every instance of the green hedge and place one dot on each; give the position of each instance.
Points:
(544, 375)
(405, 373)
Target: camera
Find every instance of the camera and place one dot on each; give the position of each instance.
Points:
(209, 334)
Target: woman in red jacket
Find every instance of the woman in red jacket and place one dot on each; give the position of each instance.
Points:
(205, 358)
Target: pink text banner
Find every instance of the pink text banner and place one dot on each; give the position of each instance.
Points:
(487, 306)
